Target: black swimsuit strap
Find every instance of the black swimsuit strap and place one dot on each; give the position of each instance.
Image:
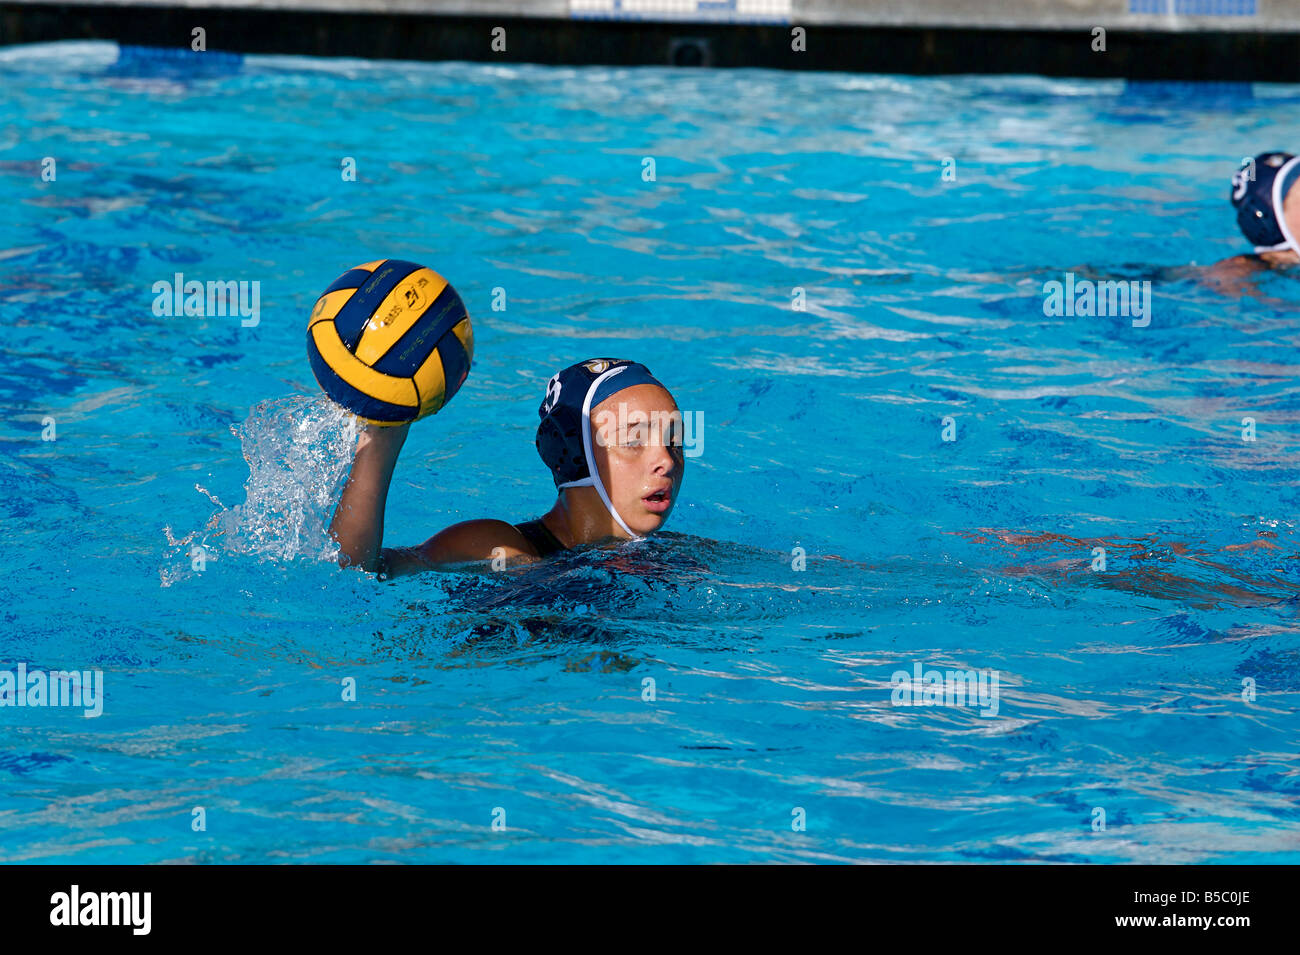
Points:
(540, 536)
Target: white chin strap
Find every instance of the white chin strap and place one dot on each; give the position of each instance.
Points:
(1288, 240)
(593, 478)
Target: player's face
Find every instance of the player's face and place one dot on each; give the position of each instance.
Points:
(638, 452)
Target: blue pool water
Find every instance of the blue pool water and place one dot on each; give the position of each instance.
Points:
(522, 698)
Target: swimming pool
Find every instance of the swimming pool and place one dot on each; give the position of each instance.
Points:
(725, 692)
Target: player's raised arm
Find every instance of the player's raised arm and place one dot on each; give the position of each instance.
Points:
(391, 342)
(358, 523)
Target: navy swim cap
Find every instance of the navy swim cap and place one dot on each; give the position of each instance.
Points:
(1258, 201)
(564, 438)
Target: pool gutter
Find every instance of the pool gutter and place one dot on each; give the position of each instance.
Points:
(920, 37)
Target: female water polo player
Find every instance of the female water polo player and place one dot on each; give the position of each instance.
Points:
(609, 432)
(1267, 201)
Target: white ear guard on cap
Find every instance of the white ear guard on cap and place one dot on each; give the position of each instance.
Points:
(593, 475)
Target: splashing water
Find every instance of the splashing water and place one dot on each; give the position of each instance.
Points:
(298, 451)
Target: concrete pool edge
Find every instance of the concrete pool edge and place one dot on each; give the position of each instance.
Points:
(1221, 54)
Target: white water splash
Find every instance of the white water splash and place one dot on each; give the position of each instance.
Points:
(299, 450)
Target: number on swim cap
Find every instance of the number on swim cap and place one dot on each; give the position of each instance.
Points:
(552, 394)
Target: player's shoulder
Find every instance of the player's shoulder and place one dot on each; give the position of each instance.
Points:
(1247, 262)
(1227, 275)
(1278, 260)
(479, 539)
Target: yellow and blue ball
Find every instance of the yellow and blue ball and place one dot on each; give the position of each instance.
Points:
(390, 341)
